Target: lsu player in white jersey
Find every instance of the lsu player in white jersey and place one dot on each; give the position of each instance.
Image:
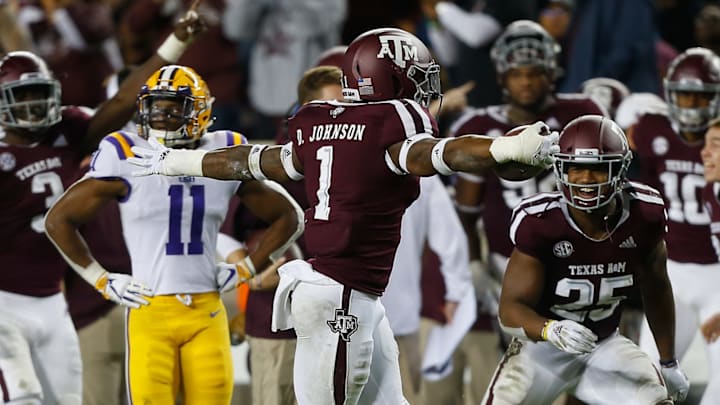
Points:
(177, 329)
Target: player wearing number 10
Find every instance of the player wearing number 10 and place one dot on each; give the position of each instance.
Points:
(358, 160)
(578, 252)
(170, 227)
(668, 150)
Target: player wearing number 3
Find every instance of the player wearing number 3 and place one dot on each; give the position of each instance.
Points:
(358, 160)
(578, 253)
(177, 328)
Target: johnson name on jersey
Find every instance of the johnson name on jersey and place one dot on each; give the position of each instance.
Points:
(357, 195)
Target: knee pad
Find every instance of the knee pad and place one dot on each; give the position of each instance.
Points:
(360, 361)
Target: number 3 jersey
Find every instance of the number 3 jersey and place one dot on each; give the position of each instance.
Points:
(32, 177)
(357, 195)
(170, 224)
(586, 280)
(673, 166)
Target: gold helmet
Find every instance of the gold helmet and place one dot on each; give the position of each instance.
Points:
(174, 95)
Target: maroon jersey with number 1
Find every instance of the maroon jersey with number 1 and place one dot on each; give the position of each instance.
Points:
(357, 198)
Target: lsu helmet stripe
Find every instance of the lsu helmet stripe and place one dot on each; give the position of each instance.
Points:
(168, 75)
(122, 144)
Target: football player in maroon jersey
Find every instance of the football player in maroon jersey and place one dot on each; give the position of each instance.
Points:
(578, 253)
(359, 160)
(40, 153)
(525, 58)
(668, 150)
(710, 153)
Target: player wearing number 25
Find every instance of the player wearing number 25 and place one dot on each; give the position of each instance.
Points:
(578, 253)
(177, 328)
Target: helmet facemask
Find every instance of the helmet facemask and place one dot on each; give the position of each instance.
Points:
(693, 119)
(427, 83)
(33, 103)
(591, 196)
(175, 107)
(152, 111)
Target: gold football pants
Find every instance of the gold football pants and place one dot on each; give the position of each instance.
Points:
(179, 341)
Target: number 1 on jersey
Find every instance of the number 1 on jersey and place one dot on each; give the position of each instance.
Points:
(325, 156)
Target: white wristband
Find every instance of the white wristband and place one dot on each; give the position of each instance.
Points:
(172, 49)
(249, 264)
(436, 157)
(92, 273)
(184, 162)
(286, 158)
(254, 162)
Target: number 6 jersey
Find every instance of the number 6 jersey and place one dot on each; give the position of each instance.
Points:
(586, 280)
(170, 224)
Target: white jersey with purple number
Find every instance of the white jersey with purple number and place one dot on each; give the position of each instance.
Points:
(170, 223)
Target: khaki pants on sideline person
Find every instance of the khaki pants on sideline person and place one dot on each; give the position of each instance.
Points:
(102, 347)
(410, 359)
(480, 352)
(271, 371)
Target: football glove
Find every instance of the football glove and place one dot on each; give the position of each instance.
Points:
(158, 159)
(123, 289)
(569, 336)
(229, 275)
(676, 381)
(534, 145)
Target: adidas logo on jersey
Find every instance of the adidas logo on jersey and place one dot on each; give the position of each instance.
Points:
(628, 243)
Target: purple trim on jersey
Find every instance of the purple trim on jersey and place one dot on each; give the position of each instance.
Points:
(118, 147)
(3, 385)
(229, 138)
(340, 375)
(127, 184)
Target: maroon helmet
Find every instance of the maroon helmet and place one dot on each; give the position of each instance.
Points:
(389, 63)
(525, 43)
(696, 70)
(332, 56)
(22, 74)
(592, 140)
(606, 91)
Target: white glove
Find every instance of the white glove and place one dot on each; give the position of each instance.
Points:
(534, 145)
(159, 159)
(676, 381)
(123, 289)
(569, 336)
(229, 275)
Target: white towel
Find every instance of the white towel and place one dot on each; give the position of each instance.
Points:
(444, 339)
(291, 274)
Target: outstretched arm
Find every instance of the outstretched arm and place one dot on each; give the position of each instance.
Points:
(422, 157)
(474, 153)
